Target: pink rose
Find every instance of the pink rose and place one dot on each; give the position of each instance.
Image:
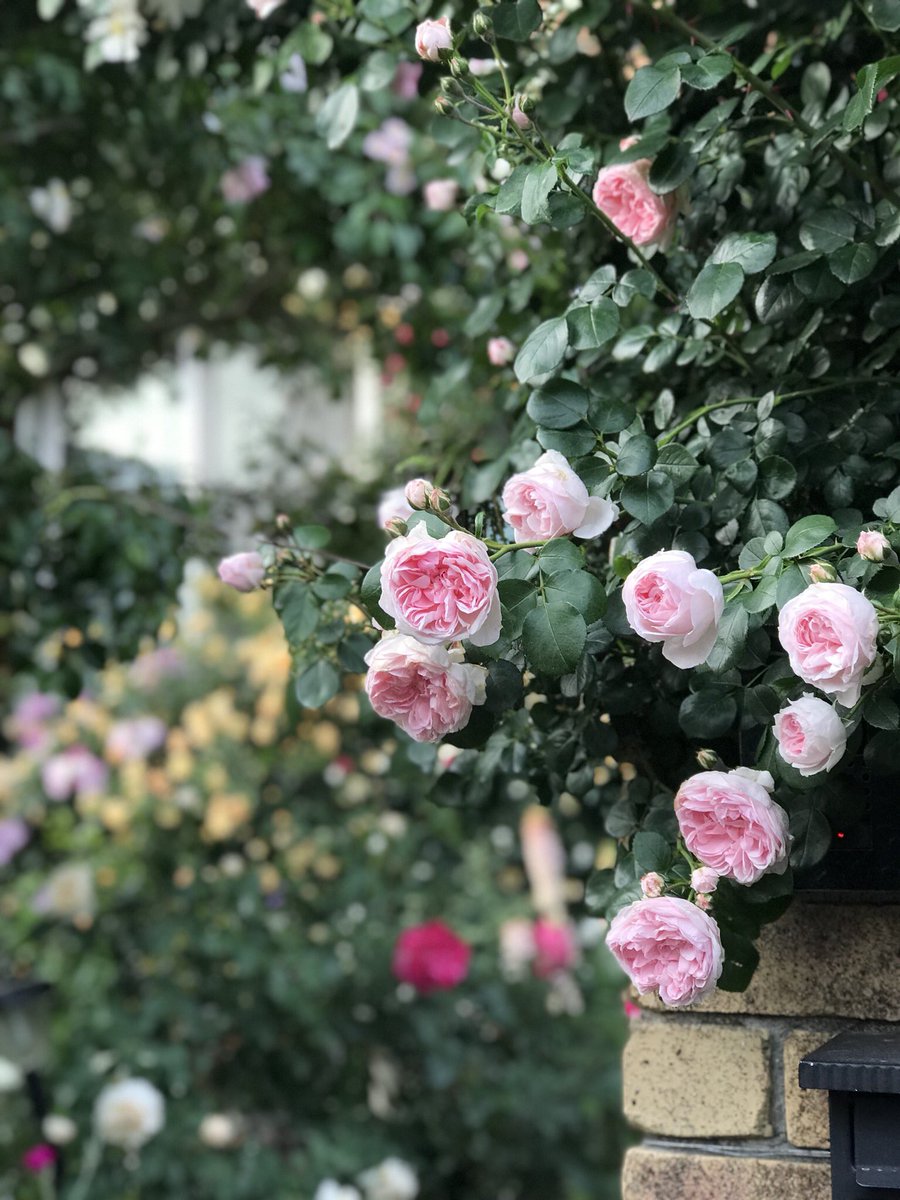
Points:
(623, 193)
(440, 194)
(703, 900)
(667, 599)
(393, 505)
(549, 500)
(263, 8)
(246, 181)
(75, 771)
(830, 633)
(555, 947)
(811, 736)
(244, 572)
(441, 589)
(667, 945)
(652, 885)
(732, 824)
(406, 80)
(14, 836)
(432, 37)
(431, 957)
(389, 143)
(872, 544)
(500, 351)
(135, 738)
(704, 880)
(426, 690)
(519, 117)
(417, 492)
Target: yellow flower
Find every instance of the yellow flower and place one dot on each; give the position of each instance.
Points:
(225, 813)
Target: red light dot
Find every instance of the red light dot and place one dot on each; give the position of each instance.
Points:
(840, 834)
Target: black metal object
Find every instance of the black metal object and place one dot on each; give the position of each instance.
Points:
(861, 1073)
(865, 853)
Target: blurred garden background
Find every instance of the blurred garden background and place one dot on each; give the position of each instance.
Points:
(238, 290)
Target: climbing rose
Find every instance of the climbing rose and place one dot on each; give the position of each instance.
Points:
(243, 572)
(811, 736)
(549, 500)
(622, 191)
(731, 823)
(75, 771)
(129, 1113)
(441, 589)
(667, 945)
(500, 351)
(432, 37)
(871, 545)
(555, 947)
(829, 632)
(669, 600)
(431, 957)
(426, 690)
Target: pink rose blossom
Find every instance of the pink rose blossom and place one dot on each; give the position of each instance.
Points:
(135, 738)
(441, 589)
(704, 880)
(669, 600)
(518, 260)
(244, 572)
(556, 947)
(426, 690)
(432, 37)
(389, 143)
(246, 181)
(39, 1158)
(483, 66)
(431, 957)
(500, 351)
(14, 836)
(393, 505)
(732, 824)
(406, 80)
(549, 500)
(811, 736)
(830, 634)
(440, 194)
(667, 945)
(623, 193)
(652, 885)
(872, 544)
(75, 771)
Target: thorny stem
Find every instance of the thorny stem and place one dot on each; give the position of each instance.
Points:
(759, 569)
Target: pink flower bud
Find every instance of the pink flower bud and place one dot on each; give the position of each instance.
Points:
(871, 544)
(244, 572)
(821, 572)
(500, 351)
(519, 117)
(703, 901)
(417, 493)
(396, 527)
(652, 885)
(704, 879)
(432, 37)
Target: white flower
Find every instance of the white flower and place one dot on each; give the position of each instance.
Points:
(219, 1131)
(392, 1179)
(129, 1113)
(11, 1078)
(59, 1130)
(330, 1189)
(264, 8)
(52, 205)
(117, 32)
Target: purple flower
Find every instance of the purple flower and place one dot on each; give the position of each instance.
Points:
(294, 77)
(14, 836)
(72, 772)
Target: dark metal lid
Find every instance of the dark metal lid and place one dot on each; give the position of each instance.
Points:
(17, 995)
(859, 1061)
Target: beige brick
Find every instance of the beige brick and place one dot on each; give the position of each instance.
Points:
(685, 1079)
(806, 1111)
(651, 1174)
(822, 960)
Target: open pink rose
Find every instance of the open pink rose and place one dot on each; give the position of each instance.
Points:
(440, 194)
(432, 37)
(244, 572)
(732, 824)
(622, 191)
(872, 544)
(75, 771)
(811, 736)
(500, 351)
(549, 500)
(431, 957)
(246, 181)
(556, 948)
(669, 600)
(426, 690)
(441, 589)
(830, 633)
(667, 945)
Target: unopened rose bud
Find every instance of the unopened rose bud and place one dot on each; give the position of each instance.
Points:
(704, 879)
(708, 759)
(458, 67)
(451, 87)
(439, 500)
(872, 544)
(283, 521)
(442, 105)
(652, 885)
(244, 572)
(821, 572)
(417, 493)
(433, 37)
(703, 901)
(396, 527)
(518, 114)
(482, 27)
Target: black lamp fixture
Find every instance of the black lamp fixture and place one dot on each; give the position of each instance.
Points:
(860, 1070)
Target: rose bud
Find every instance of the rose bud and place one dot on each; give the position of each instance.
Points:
(652, 885)
(872, 544)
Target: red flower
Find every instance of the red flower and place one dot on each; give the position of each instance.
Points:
(431, 957)
(39, 1157)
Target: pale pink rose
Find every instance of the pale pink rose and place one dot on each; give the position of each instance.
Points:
(244, 572)
(432, 37)
(135, 738)
(544, 858)
(390, 143)
(667, 945)
(623, 193)
(549, 500)
(518, 260)
(872, 544)
(733, 825)
(440, 194)
(441, 589)
(75, 771)
(830, 634)
(556, 947)
(264, 8)
(246, 181)
(406, 80)
(652, 885)
(393, 505)
(704, 880)
(426, 690)
(811, 736)
(483, 66)
(500, 351)
(669, 600)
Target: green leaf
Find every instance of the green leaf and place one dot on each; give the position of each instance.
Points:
(559, 405)
(336, 118)
(731, 638)
(651, 852)
(881, 711)
(707, 71)
(591, 325)
(553, 638)
(816, 83)
(311, 537)
(741, 960)
(812, 837)
(827, 230)
(854, 262)
(560, 555)
(298, 610)
(504, 686)
(885, 14)
(581, 589)
(714, 289)
(671, 167)
(651, 91)
(317, 684)
(484, 315)
(370, 594)
(751, 251)
(509, 195)
(312, 43)
(543, 351)
(517, 599)
(708, 713)
(539, 183)
(571, 443)
(807, 533)
(636, 456)
(516, 21)
(648, 497)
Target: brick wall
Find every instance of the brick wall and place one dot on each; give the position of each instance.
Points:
(714, 1088)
